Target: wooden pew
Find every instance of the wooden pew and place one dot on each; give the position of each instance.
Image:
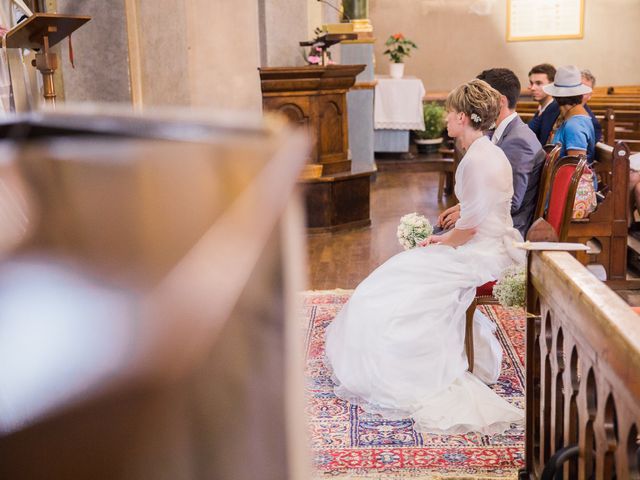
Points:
(623, 90)
(606, 228)
(624, 126)
(617, 124)
(169, 270)
(582, 383)
(598, 107)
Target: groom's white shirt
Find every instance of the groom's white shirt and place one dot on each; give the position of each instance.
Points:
(497, 134)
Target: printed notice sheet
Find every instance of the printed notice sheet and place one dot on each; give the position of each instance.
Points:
(544, 19)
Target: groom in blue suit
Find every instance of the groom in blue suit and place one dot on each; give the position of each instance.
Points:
(520, 145)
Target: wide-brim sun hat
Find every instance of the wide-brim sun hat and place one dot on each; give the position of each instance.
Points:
(567, 83)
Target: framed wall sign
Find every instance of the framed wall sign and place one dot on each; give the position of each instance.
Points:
(544, 19)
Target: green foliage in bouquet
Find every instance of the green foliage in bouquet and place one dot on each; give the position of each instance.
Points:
(510, 288)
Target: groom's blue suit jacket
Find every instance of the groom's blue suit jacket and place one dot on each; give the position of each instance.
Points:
(526, 156)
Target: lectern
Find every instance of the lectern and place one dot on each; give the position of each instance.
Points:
(314, 98)
(40, 32)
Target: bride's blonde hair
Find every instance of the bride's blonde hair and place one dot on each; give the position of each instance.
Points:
(478, 100)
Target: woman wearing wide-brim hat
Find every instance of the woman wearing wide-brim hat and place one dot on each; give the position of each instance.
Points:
(574, 128)
(574, 131)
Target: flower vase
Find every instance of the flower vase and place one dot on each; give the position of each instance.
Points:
(396, 70)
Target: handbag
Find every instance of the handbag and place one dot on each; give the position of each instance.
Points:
(586, 201)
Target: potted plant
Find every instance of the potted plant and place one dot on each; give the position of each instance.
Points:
(398, 48)
(429, 139)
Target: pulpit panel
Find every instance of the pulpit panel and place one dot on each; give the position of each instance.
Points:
(332, 134)
(296, 109)
(336, 197)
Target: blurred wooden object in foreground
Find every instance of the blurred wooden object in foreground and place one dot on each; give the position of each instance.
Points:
(147, 323)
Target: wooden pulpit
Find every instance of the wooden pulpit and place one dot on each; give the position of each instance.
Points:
(314, 97)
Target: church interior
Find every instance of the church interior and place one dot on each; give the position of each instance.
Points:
(192, 192)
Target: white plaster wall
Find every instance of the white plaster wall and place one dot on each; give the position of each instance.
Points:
(455, 45)
(285, 23)
(199, 53)
(223, 54)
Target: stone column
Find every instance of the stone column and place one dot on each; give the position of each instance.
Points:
(360, 98)
(100, 48)
(194, 53)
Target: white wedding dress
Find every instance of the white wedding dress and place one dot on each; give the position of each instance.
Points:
(397, 346)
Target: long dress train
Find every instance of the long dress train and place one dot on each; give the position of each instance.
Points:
(397, 346)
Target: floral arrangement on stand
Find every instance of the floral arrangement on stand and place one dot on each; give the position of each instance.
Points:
(413, 229)
(314, 55)
(510, 288)
(399, 47)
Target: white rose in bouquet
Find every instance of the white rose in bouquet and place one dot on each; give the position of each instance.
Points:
(510, 288)
(413, 229)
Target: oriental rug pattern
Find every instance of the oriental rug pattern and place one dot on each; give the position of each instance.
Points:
(348, 443)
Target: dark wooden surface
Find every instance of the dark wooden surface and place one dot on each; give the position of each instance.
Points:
(607, 226)
(344, 259)
(337, 202)
(316, 98)
(583, 354)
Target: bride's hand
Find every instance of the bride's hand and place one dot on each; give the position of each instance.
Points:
(433, 239)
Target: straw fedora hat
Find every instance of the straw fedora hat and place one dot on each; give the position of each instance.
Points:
(567, 83)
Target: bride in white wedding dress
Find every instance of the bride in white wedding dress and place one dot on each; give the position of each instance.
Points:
(397, 346)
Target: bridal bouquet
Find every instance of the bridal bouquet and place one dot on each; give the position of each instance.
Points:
(510, 289)
(413, 229)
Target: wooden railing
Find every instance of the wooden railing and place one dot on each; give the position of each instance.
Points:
(583, 381)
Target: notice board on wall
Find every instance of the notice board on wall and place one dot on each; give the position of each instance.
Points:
(544, 20)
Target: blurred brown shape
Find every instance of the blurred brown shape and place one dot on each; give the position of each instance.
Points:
(183, 219)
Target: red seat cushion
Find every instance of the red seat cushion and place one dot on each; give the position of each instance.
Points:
(559, 192)
(485, 290)
(636, 310)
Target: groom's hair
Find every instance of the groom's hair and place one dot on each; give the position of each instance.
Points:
(504, 81)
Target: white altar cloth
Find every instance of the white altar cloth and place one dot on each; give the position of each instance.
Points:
(398, 103)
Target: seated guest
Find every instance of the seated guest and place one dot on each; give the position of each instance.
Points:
(575, 131)
(590, 81)
(545, 117)
(520, 145)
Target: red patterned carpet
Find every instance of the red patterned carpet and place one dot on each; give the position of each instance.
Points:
(348, 443)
